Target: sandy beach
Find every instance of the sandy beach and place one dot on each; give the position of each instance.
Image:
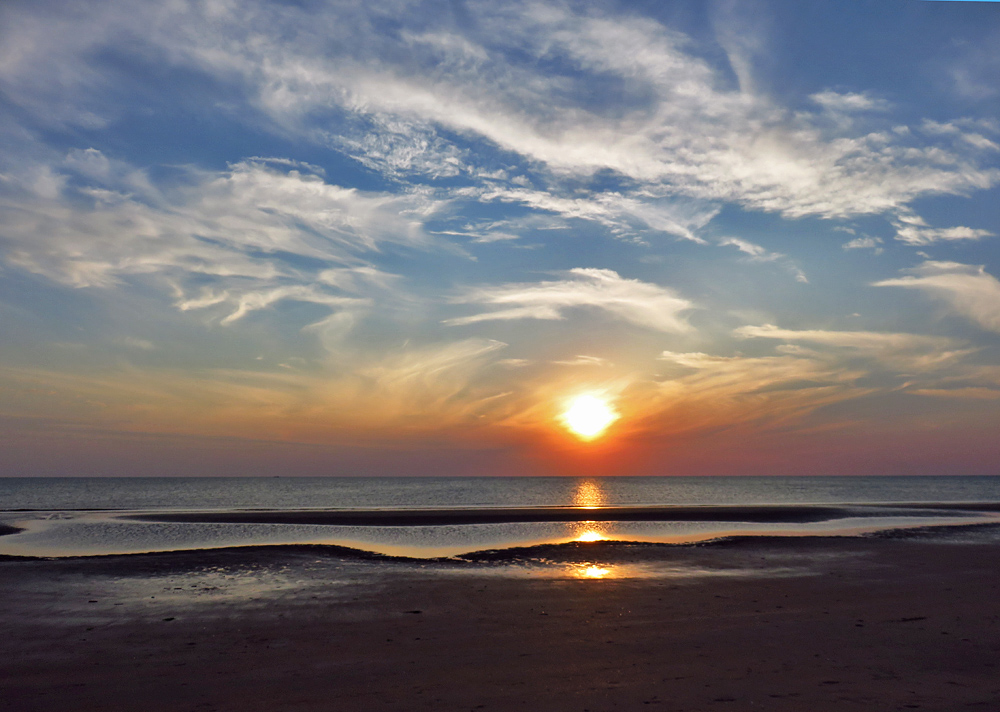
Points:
(874, 623)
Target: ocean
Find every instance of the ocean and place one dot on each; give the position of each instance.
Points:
(453, 516)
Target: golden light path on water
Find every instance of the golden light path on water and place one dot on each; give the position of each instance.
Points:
(589, 495)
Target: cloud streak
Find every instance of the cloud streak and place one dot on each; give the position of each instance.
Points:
(638, 303)
(901, 351)
(969, 290)
(914, 230)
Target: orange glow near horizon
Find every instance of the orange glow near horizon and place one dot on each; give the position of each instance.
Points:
(588, 416)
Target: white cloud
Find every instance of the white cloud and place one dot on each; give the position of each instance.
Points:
(409, 105)
(914, 230)
(927, 236)
(231, 242)
(957, 129)
(968, 289)
(46, 65)
(640, 303)
(228, 224)
(912, 235)
(864, 243)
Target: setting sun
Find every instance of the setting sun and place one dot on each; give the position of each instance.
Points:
(588, 416)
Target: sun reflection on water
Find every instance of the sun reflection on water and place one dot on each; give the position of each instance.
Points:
(589, 495)
(590, 535)
(591, 571)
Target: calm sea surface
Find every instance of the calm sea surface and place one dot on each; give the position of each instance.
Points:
(72, 516)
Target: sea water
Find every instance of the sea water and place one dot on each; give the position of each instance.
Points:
(83, 516)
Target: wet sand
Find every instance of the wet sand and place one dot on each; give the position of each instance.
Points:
(806, 624)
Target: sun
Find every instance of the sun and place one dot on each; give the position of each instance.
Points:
(588, 416)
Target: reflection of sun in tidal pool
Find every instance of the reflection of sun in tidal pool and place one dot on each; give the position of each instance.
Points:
(592, 571)
(588, 416)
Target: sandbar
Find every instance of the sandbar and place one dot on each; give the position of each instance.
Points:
(770, 513)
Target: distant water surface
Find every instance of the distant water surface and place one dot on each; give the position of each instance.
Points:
(135, 493)
(69, 516)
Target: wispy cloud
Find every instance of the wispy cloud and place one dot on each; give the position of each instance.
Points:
(757, 253)
(848, 102)
(914, 230)
(905, 351)
(426, 388)
(913, 235)
(968, 289)
(411, 104)
(583, 360)
(227, 237)
(624, 215)
(639, 303)
(250, 301)
(812, 369)
(701, 391)
(436, 378)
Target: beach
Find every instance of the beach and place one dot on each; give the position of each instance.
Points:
(892, 622)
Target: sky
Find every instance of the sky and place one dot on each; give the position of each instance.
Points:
(397, 238)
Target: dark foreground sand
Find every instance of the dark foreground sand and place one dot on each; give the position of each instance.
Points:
(766, 624)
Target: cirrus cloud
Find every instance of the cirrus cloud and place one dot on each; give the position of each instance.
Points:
(420, 104)
(639, 303)
(968, 289)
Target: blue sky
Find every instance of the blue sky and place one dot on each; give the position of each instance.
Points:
(331, 239)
